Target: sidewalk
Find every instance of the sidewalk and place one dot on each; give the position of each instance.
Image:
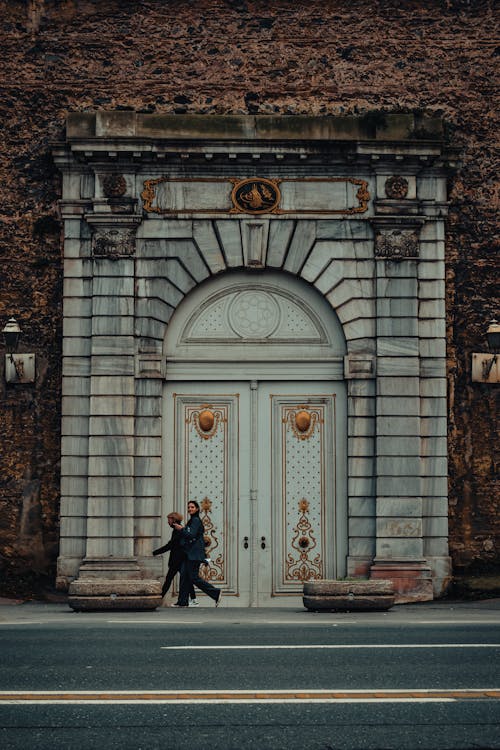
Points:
(17, 612)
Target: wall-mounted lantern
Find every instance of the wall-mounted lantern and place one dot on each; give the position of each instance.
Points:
(485, 367)
(19, 368)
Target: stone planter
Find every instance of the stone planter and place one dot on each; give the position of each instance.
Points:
(348, 596)
(91, 594)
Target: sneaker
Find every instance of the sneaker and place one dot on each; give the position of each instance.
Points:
(180, 605)
(194, 603)
(218, 600)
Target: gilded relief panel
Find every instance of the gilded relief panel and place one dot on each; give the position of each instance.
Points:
(301, 508)
(169, 196)
(209, 476)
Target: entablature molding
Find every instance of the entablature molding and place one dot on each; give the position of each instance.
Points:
(191, 166)
(380, 140)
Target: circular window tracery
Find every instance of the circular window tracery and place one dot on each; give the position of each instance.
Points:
(254, 314)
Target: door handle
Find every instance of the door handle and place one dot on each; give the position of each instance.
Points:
(263, 542)
(245, 542)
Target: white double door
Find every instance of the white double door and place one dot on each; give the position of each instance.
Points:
(264, 461)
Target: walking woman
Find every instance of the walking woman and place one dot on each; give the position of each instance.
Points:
(176, 557)
(194, 550)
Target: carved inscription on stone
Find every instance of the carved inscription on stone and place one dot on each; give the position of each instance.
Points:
(113, 243)
(255, 195)
(396, 244)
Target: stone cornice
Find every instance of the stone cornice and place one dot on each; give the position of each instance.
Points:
(381, 142)
(382, 127)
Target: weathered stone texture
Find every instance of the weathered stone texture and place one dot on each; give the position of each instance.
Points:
(216, 56)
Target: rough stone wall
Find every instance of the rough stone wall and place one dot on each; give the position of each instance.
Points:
(230, 56)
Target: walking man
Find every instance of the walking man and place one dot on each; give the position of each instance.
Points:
(176, 557)
(194, 549)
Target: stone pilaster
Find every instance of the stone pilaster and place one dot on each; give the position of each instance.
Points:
(399, 534)
(109, 575)
(433, 394)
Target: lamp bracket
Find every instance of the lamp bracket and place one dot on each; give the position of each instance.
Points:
(486, 368)
(20, 368)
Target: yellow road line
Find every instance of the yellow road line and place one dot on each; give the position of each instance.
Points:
(232, 696)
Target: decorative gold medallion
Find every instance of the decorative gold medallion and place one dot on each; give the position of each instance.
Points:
(206, 420)
(302, 420)
(255, 195)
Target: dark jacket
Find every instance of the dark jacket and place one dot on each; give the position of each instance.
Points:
(192, 539)
(176, 548)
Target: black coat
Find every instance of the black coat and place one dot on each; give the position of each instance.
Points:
(192, 539)
(176, 549)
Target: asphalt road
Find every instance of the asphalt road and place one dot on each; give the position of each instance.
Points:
(165, 659)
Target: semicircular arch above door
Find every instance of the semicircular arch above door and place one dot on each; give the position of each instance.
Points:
(257, 318)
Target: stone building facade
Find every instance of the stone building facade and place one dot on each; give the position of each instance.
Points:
(213, 161)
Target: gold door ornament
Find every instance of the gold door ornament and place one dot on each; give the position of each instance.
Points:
(303, 568)
(214, 571)
(206, 421)
(302, 421)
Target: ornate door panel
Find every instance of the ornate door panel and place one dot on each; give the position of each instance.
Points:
(205, 466)
(297, 499)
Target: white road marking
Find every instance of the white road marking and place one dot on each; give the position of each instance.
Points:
(169, 623)
(458, 622)
(163, 623)
(338, 646)
(157, 622)
(333, 624)
(241, 621)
